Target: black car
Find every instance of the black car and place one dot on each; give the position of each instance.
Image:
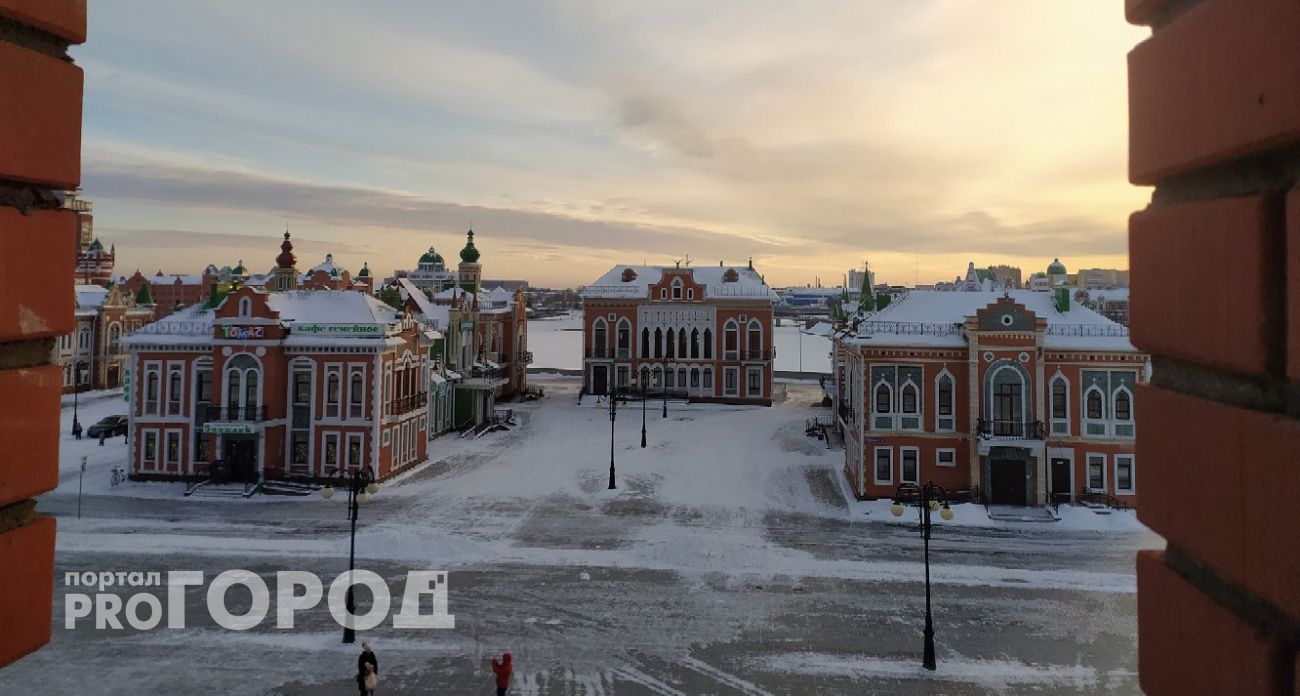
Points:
(110, 426)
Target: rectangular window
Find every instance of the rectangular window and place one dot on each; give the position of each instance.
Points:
(708, 379)
(152, 389)
(356, 392)
(670, 378)
(173, 447)
(298, 448)
(1124, 474)
(884, 465)
(754, 381)
(174, 389)
(354, 450)
(945, 457)
(623, 375)
(695, 378)
(333, 391)
(150, 454)
(1096, 472)
(301, 387)
(730, 379)
(203, 386)
(909, 465)
(202, 448)
(331, 450)
(1059, 399)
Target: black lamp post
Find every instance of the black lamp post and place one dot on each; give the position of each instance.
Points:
(644, 378)
(360, 487)
(76, 390)
(612, 410)
(663, 386)
(926, 499)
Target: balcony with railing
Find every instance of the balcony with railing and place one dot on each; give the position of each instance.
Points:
(253, 414)
(846, 412)
(406, 404)
(999, 429)
(599, 352)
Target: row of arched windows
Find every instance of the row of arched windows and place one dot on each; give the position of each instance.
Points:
(677, 342)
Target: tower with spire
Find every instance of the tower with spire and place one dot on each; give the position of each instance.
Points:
(285, 275)
(469, 270)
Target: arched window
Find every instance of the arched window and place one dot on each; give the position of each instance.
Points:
(645, 376)
(234, 384)
(114, 332)
(671, 346)
(242, 385)
(944, 400)
(677, 288)
(83, 338)
(707, 378)
(695, 343)
(245, 306)
(251, 392)
(755, 343)
(884, 398)
(681, 343)
(1093, 404)
(356, 395)
(1123, 405)
(1060, 396)
(708, 344)
(152, 385)
(599, 339)
(645, 343)
(695, 378)
(659, 343)
(909, 397)
(624, 338)
(1008, 400)
(730, 340)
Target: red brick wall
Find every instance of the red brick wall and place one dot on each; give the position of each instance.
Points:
(1214, 125)
(40, 151)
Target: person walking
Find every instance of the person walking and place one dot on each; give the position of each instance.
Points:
(503, 670)
(103, 435)
(367, 664)
(76, 429)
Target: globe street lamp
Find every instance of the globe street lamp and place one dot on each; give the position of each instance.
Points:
(926, 499)
(361, 486)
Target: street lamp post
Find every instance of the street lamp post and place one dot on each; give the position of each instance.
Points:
(612, 410)
(663, 386)
(926, 499)
(361, 486)
(76, 390)
(643, 395)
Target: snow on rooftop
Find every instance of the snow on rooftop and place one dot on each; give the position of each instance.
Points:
(90, 296)
(748, 283)
(330, 307)
(439, 315)
(930, 318)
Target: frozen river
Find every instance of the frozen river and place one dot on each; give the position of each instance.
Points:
(557, 343)
(727, 562)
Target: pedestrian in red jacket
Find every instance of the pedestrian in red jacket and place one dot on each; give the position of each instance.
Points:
(503, 670)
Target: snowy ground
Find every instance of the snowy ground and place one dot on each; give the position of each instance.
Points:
(727, 562)
(557, 343)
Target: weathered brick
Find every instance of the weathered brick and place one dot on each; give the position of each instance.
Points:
(1231, 240)
(40, 143)
(29, 432)
(1188, 644)
(35, 250)
(27, 586)
(1219, 82)
(63, 18)
(1221, 484)
(1293, 284)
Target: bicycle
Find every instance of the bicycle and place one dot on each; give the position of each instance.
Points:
(119, 476)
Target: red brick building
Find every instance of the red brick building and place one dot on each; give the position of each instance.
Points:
(1028, 396)
(169, 292)
(703, 332)
(279, 384)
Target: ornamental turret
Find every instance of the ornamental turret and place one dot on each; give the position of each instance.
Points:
(285, 276)
(469, 268)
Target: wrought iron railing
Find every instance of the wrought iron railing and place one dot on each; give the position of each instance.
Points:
(1010, 429)
(911, 328)
(406, 404)
(1086, 330)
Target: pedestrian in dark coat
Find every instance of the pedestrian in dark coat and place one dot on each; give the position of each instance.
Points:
(103, 434)
(367, 657)
(76, 429)
(503, 670)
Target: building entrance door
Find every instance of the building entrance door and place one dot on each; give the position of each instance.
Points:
(1062, 486)
(599, 379)
(1008, 484)
(241, 458)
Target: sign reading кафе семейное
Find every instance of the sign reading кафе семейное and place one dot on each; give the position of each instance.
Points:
(338, 329)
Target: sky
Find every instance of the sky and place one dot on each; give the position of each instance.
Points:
(811, 136)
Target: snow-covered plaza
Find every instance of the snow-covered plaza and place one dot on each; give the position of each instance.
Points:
(728, 561)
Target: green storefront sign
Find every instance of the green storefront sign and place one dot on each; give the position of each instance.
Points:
(228, 429)
(339, 329)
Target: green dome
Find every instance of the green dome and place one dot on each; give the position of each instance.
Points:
(1056, 268)
(469, 254)
(365, 271)
(431, 257)
(239, 270)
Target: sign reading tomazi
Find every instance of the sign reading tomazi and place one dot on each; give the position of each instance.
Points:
(339, 329)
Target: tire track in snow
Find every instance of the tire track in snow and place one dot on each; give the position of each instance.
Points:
(635, 675)
(727, 678)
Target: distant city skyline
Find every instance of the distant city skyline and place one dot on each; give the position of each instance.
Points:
(572, 137)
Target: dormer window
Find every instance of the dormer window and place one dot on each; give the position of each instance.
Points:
(628, 276)
(677, 288)
(730, 276)
(245, 307)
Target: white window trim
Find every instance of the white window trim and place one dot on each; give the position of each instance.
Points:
(736, 381)
(1087, 472)
(749, 382)
(917, 457)
(1085, 421)
(180, 448)
(326, 438)
(353, 371)
(334, 370)
(894, 404)
(1132, 410)
(349, 438)
(145, 463)
(1052, 420)
(1132, 474)
(875, 471)
(938, 462)
(938, 388)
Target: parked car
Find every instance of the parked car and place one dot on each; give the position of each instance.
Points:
(110, 426)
